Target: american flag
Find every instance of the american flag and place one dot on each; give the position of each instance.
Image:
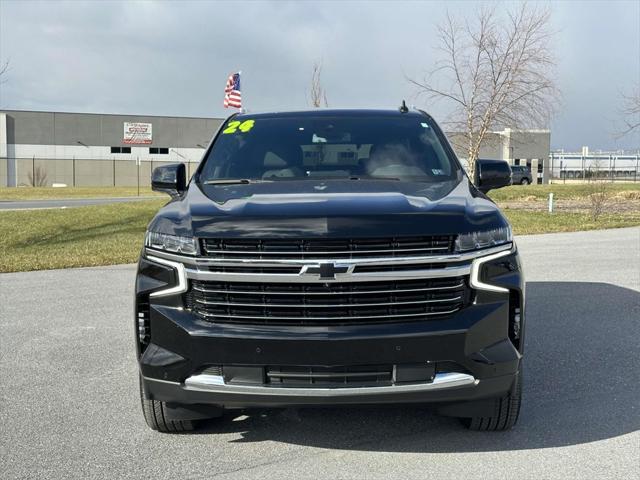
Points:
(232, 95)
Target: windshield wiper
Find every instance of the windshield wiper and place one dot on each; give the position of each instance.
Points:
(368, 177)
(231, 181)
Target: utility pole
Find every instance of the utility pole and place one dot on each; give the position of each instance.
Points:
(138, 171)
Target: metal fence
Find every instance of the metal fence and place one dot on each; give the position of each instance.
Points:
(114, 172)
(580, 168)
(83, 172)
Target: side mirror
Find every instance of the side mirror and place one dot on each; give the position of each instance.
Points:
(171, 179)
(492, 174)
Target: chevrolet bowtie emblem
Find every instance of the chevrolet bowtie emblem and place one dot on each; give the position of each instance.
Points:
(327, 271)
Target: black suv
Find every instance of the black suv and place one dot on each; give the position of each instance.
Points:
(329, 257)
(521, 175)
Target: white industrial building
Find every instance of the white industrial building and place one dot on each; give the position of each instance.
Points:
(517, 147)
(619, 165)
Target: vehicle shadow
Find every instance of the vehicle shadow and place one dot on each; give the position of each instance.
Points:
(581, 385)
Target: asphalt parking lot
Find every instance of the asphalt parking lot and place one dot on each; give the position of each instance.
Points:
(65, 202)
(70, 408)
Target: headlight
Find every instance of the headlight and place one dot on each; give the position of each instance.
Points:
(483, 239)
(171, 243)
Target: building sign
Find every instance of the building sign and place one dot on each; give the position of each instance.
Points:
(137, 133)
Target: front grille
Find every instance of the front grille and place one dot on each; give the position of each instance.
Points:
(261, 249)
(327, 303)
(348, 376)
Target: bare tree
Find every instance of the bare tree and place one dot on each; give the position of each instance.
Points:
(631, 112)
(37, 178)
(318, 94)
(4, 68)
(599, 196)
(596, 167)
(496, 72)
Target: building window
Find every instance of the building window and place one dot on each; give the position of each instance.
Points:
(158, 151)
(516, 161)
(120, 149)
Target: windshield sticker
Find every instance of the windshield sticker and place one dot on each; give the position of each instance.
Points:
(424, 125)
(437, 171)
(236, 125)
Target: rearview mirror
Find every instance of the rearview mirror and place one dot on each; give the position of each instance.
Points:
(492, 174)
(171, 179)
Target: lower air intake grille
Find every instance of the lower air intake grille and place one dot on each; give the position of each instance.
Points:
(327, 304)
(351, 376)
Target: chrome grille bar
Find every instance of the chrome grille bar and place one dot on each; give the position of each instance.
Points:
(355, 277)
(225, 317)
(203, 262)
(346, 292)
(346, 252)
(321, 247)
(330, 305)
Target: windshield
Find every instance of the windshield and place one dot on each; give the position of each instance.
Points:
(308, 147)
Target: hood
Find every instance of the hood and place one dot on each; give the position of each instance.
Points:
(329, 208)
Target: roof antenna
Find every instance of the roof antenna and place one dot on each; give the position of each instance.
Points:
(403, 107)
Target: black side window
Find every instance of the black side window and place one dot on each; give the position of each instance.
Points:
(158, 151)
(495, 168)
(120, 149)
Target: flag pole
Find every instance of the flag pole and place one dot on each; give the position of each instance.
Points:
(242, 109)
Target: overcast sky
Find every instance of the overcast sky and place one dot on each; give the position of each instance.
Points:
(173, 58)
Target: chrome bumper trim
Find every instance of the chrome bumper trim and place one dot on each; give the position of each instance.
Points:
(216, 384)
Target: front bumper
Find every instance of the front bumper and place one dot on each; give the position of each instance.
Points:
(454, 393)
(473, 352)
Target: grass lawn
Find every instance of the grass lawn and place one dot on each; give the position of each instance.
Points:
(526, 223)
(112, 234)
(50, 193)
(560, 191)
(74, 237)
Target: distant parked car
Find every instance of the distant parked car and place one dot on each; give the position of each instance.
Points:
(521, 175)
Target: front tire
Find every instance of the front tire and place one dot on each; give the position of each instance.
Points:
(506, 411)
(524, 181)
(155, 416)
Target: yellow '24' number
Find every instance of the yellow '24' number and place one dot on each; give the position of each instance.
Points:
(234, 126)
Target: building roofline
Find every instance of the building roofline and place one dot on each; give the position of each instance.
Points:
(518, 130)
(7, 110)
